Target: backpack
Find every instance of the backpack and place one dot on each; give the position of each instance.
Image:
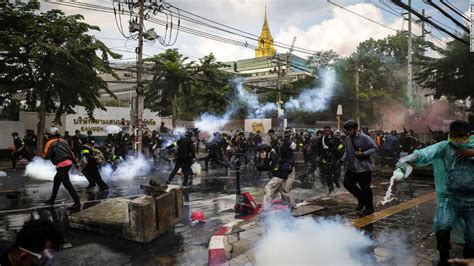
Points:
(460, 175)
(98, 155)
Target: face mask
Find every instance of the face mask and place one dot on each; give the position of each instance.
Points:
(293, 146)
(461, 145)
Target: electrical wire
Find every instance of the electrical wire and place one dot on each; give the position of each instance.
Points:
(362, 16)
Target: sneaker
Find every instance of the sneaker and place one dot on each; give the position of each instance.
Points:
(368, 211)
(75, 206)
(359, 207)
(168, 182)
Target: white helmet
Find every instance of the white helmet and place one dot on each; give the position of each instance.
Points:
(53, 131)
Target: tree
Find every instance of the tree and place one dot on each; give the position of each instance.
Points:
(451, 75)
(210, 89)
(172, 75)
(322, 59)
(382, 67)
(50, 58)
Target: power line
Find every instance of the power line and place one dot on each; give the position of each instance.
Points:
(459, 24)
(455, 9)
(362, 16)
(416, 13)
(250, 36)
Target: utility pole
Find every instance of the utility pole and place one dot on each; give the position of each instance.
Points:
(139, 90)
(409, 67)
(357, 111)
(423, 25)
(278, 85)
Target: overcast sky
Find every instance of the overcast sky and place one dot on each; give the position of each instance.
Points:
(317, 24)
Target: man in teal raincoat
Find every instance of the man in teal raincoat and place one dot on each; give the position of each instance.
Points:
(451, 204)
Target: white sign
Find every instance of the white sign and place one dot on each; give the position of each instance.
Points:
(119, 116)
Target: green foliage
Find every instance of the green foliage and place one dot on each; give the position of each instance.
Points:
(51, 59)
(113, 103)
(172, 76)
(10, 109)
(197, 88)
(322, 59)
(451, 75)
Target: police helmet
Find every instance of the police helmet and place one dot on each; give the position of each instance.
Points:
(189, 134)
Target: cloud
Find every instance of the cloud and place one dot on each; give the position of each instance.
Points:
(318, 25)
(341, 33)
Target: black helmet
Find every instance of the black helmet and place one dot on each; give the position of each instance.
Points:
(189, 134)
(288, 132)
(350, 124)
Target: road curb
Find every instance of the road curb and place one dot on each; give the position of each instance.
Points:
(217, 243)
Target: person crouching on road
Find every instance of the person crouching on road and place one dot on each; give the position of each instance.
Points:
(359, 166)
(282, 164)
(58, 151)
(91, 170)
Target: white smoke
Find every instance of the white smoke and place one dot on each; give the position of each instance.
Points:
(288, 240)
(255, 108)
(179, 131)
(212, 123)
(45, 170)
(314, 99)
(3, 174)
(128, 169)
(305, 241)
(113, 129)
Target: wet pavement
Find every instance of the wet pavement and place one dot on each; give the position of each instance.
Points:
(213, 194)
(411, 225)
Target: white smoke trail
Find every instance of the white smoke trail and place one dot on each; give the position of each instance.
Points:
(179, 131)
(314, 99)
(255, 108)
(305, 241)
(128, 169)
(113, 129)
(212, 123)
(45, 170)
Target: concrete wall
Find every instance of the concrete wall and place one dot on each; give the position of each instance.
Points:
(6, 130)
(113, 116)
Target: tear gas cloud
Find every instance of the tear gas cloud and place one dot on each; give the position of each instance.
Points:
(310, 100)
(256, 109)
(330, 241)
(112, 129)
(314, 99)
(179, 131)
(212, 123)
(45, 170)
(126, 170)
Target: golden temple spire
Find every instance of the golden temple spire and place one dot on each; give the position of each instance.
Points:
(265, 41)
